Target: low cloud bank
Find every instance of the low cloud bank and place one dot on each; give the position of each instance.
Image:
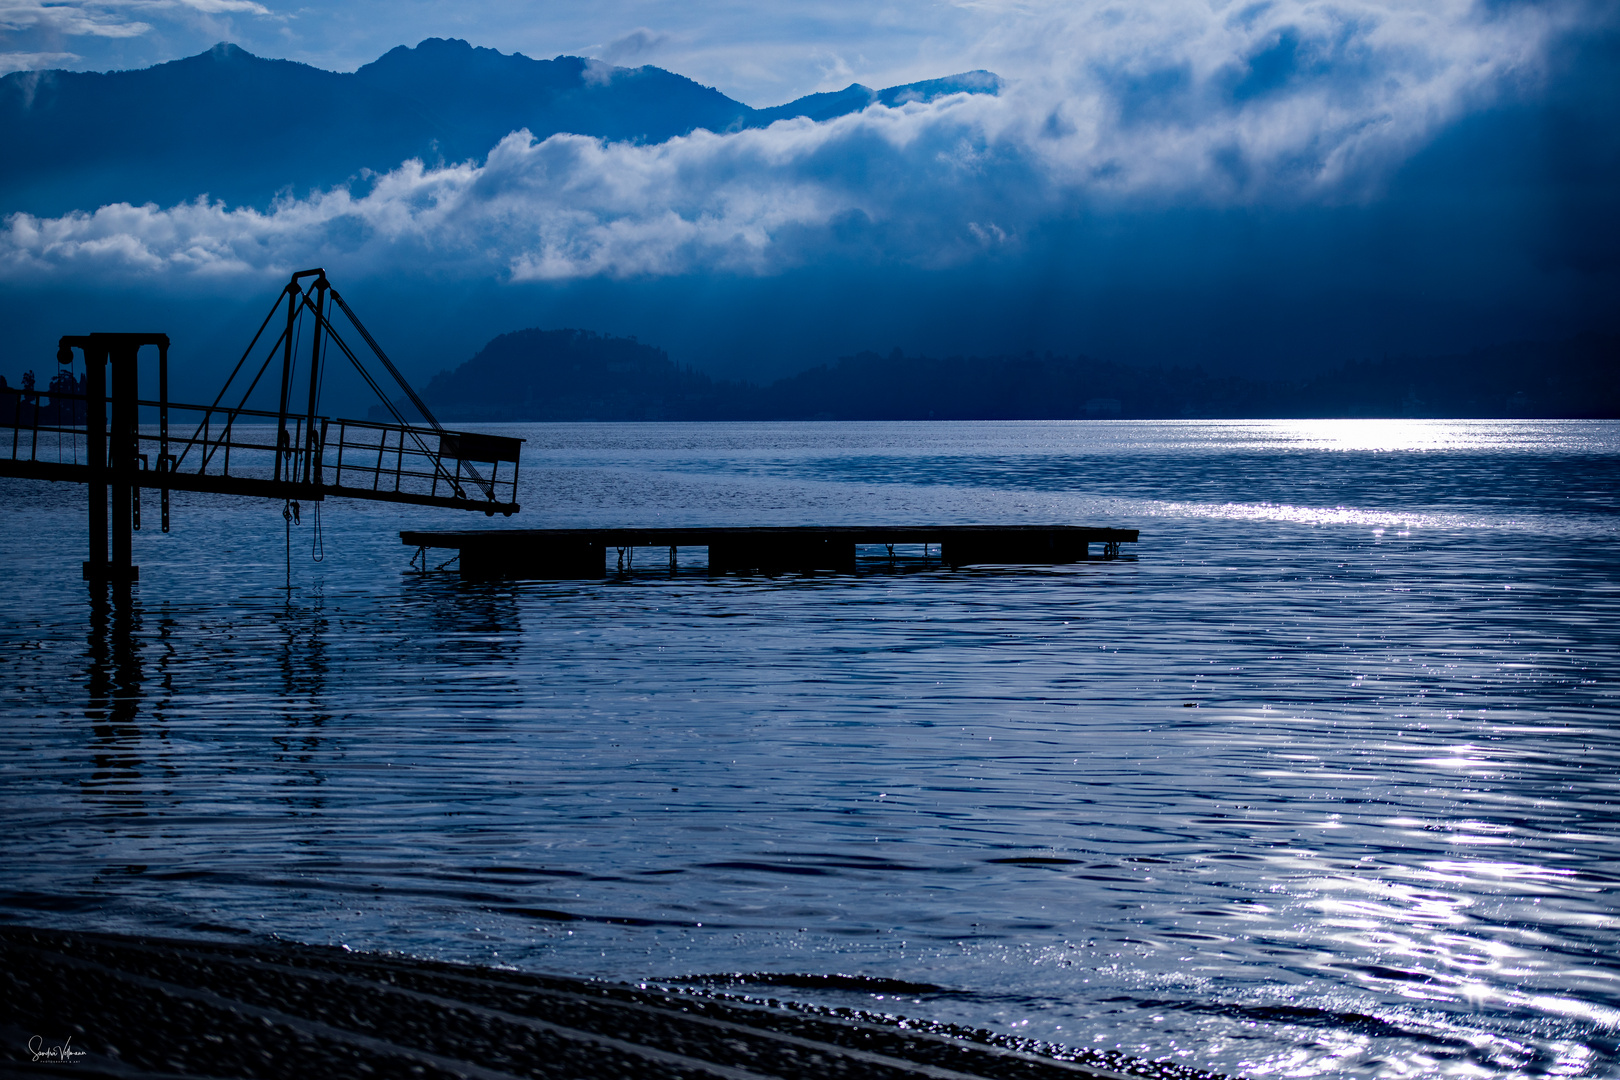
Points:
(1159, 103)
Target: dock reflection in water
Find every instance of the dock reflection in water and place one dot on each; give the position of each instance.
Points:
(1303, 786)
(121, 773)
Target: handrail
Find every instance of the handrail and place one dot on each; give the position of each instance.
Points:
(295, 457)
(404, 465)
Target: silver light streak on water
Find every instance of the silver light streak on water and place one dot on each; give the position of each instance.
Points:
(1319, 780)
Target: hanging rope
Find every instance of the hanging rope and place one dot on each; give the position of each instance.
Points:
(317, 544)
(289, 514)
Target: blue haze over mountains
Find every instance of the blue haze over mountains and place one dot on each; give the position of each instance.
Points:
(243, 128)
(579, 375)
(1496, 237)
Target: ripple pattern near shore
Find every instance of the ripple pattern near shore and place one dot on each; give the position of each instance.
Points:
(1328, 793)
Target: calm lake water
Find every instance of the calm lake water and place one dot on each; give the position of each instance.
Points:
(1321, 779)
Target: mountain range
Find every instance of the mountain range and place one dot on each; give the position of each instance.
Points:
(580, 375)
(244, 129)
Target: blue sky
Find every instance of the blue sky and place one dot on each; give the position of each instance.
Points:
(1283, 181)
(761, 54)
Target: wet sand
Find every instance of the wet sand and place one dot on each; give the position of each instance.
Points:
(103, 1005)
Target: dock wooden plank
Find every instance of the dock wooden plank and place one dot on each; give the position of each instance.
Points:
(581, 553)
(686, 536)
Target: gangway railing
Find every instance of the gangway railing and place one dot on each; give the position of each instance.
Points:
(89, 430)
(240, 452)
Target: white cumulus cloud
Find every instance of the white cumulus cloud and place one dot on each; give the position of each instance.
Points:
(1155, 102)
(73, 20)
(108, 18)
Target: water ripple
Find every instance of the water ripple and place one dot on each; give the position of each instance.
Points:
(1319, 780)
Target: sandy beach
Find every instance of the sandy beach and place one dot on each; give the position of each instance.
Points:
(117, 1006)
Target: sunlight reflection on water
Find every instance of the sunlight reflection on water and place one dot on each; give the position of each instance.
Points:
(1318, 781)
(1382, 434)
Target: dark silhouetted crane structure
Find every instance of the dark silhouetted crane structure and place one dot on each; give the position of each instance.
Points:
(293, 453)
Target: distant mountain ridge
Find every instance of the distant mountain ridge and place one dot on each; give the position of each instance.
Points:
(566, 375)
(581, 375)
(243, 128)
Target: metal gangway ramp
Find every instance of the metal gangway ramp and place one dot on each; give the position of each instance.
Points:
(90, 431)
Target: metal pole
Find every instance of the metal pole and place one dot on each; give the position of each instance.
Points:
(292, 295)
(125, 406)
(95, 375)
(320, 473)
(163, 431)
(314, 374)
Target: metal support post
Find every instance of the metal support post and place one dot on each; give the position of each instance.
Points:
(283, 441)
(163, 432)
(95, 369)
(121, 458)
(312, 447)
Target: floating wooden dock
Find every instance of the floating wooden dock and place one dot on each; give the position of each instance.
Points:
(582, 553)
